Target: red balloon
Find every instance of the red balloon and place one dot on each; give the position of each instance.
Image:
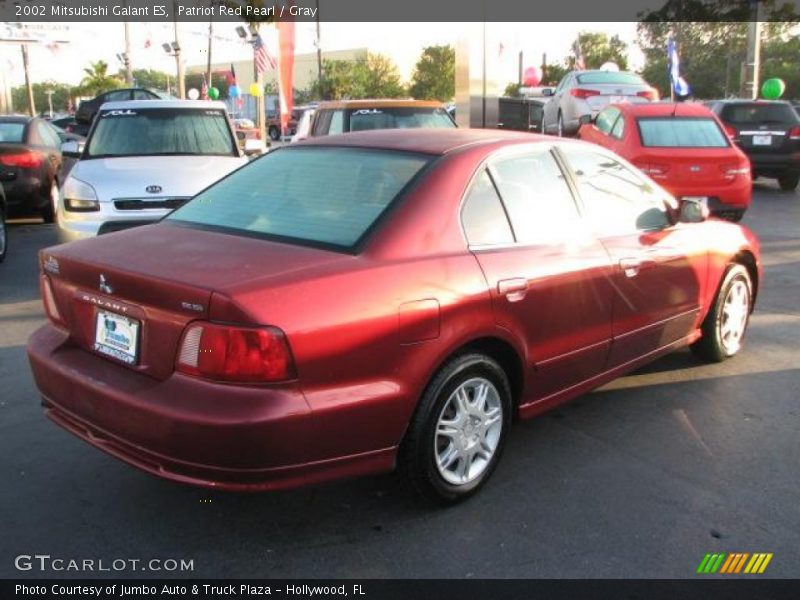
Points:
(532, 76)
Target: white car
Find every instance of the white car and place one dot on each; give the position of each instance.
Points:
(142, 160)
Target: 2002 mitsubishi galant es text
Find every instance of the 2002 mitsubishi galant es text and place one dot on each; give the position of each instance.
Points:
(376, 300)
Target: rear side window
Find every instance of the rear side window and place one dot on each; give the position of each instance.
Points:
(483, 217)
(669, 132)
(325, 196)
(620, 78)
(12, 132)
(781, 114)
(537, 198)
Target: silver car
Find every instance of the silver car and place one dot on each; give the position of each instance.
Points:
(142, 160)
(583, 93)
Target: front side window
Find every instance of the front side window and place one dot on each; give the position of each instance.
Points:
(677, 132)
(616, 199)
(161, 132)
(537, 198)
(484, 220)
(326, 196)
(606, 119)
(619, 128)
(117, 96)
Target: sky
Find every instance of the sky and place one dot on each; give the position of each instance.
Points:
(403, 42)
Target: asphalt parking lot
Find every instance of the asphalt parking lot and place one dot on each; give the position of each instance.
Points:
(638, 479)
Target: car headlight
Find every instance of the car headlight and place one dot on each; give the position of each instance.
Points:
(79, 196)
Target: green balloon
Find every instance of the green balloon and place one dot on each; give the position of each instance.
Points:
(773, 88)
(213, 93)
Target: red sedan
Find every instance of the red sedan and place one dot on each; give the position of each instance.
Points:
(381, 299)
(683, 147)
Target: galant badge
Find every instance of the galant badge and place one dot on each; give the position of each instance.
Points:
(153, 189)
(104, 286)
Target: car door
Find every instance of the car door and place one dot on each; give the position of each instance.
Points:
(659, 266)
(549, 278)
(551, 109)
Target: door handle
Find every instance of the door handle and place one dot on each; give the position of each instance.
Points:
(513, 289)
(632, 266)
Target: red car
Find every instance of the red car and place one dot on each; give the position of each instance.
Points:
(683, 147)
(381, 299)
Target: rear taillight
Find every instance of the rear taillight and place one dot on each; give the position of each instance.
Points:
(50, 306)
(583, 93)
(794, 133)
(732, 133)
(732, 171)
(231, 353)
(23, 160)
(651, 94)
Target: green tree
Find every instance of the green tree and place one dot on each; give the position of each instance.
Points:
(554, 73)
(512, 90)
(712, 42)
(98, 80)
(597, 48)
(62, 93)
(375, 77)
(148, 78)
(434, 76)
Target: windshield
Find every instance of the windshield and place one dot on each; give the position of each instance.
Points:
(11, 132)
(161, 131)
(619, 77)
(670, 132)
(327, 196)
(399, 118)
(759, 112)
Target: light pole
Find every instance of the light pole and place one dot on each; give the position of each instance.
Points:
(174, 49)
(50, 101)
(127, 57)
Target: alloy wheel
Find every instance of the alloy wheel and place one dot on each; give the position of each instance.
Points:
(733, 318)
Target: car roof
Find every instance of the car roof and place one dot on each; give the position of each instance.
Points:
(15, 118)
(185, 104)
(425, 141)
(380, 102)
(664, 109)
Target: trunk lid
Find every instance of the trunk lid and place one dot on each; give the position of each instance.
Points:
(163, 276)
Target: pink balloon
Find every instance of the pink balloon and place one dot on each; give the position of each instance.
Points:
(532, 76)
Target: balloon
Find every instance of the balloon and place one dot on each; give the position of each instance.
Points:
(213, 93)
(255, 90)
(610, 66)
(193, 94)
(234, 91)
(773, 88)
(532, 76)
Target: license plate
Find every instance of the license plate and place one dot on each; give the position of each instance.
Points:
(117, 336)
(762, 140)
(617, 99)
(701, 199)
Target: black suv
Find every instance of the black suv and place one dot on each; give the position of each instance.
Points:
(88, 108)
(768, 131)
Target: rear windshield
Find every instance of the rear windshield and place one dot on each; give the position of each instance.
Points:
(399, 118)
(618, 77)
(11, 132)
(676, 132)
(326, 196)
(161, 132)
(759, 113)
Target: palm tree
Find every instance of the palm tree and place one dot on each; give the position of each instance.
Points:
(98, 80)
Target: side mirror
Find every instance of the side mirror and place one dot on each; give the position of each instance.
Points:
(72, 149)
(585, 120)
(692, 211)
(254, 147)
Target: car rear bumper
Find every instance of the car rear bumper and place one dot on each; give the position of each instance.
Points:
(24, 195)
(720, 197)
(774, 162)
(238, 438)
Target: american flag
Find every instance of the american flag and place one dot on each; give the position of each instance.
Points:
(262, 58)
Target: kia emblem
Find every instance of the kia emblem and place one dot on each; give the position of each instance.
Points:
(153, 189)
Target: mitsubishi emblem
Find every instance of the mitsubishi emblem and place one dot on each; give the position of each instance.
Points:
(104, 286)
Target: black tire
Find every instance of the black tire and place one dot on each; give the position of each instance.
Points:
(788, 181)
(3, 236)
(48, 212)
(560, 126)
(734, 216)
(417, 460)
(274, 134)
(711, 346)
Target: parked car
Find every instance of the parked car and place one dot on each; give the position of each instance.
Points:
(30, 159)
(3, 226)
(683, 147)
(359, 115)
(583, 93)
(274, 123)
(289, 325)
(520, 114)
(769, 133)
(142, 160)
(87, 109)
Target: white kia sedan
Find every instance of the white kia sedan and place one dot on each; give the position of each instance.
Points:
(142, 160)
